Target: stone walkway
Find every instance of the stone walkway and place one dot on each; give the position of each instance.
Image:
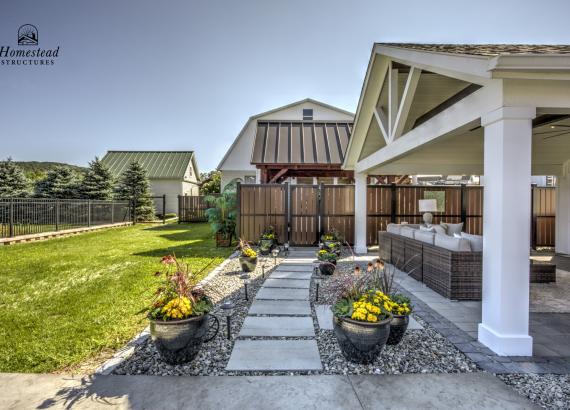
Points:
(280, 322)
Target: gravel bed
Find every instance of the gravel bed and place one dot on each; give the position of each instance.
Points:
(421, 351)
(550, 391)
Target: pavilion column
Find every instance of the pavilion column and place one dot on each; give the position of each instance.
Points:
(360, 213)
(506, 229)
(563, 211)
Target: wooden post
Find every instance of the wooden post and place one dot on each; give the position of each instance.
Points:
(238, 210)
(393, 202)
(11, 217)
(320, 211)
(463, 206)
(163, 209)
(287, 216)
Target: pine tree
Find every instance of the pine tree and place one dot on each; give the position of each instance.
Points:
(134, 185)
(98, 182)
(13, 181)
(60, 183)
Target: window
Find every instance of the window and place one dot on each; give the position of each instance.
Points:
(249, 179)
(308, 114)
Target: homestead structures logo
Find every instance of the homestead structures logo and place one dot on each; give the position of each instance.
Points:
(27, 52)
(28, 35)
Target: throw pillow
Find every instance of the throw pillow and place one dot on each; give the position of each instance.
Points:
(453, 228)
(427, 228)
(438, 229)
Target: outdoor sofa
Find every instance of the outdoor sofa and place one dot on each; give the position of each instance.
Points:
(449, 264)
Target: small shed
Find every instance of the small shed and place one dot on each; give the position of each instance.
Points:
(171, 173)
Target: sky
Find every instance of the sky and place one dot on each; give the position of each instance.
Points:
(187, 74)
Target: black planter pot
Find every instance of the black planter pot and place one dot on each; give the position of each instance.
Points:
(179, 341)
(247, 263)
(361, 342)
(266, 245)
(398, 328)
(327, 268)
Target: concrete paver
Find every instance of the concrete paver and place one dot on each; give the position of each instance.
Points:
(280, 307)
(274, 355)
(277, 326)
(287, 283)
(282, 294)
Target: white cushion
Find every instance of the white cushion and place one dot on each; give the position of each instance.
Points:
(452, 244)
(424, 236)
(394, 228)
(427, 228)
(438, 229)
(476, 241)
(450, 229)
(407, 232)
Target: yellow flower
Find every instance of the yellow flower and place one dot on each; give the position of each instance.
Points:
(178, 308)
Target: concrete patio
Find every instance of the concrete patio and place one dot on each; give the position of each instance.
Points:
(411, 391)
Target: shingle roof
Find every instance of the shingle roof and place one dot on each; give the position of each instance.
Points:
(301, 142)
(158, 164)
(490, 50)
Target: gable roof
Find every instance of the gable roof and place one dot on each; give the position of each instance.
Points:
(284, 107)
(301, 142)
(158, 164)
(487, 50)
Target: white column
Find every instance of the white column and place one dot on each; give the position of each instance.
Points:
(563, 211)
(506, 229)
(335, 180)
(360, 213)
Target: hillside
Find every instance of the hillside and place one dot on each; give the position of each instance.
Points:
(37, 170)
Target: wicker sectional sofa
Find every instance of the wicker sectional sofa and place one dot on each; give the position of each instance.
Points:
(454, 274)
(453, 267)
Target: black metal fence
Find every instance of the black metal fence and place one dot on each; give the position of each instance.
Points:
(26, 216)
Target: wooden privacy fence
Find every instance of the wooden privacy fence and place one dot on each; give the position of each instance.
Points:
(193, 208)
(301, 213)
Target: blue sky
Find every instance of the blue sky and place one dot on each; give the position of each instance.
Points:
(186, 75)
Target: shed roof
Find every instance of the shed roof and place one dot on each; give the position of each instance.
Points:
(301, 142)
(158, 164)
(490, 50)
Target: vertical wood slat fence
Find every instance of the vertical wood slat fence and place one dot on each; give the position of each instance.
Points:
(301, 213)
(26, 216)
(193, 208)
(543, 216)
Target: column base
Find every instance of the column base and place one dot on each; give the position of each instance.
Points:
(361, 250)
(505, 345)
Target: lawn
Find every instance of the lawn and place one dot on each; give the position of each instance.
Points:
(65, 301)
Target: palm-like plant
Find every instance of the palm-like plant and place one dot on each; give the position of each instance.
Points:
(223, 213)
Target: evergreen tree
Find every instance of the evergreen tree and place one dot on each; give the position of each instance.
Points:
(61, 183)
(134, 185)
(98, 181)
(13, 182)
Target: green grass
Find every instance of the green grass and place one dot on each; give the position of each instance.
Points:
(67, 300)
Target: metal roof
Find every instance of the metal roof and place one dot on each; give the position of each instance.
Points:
(301, 142)
(158, 164)
(490, 50)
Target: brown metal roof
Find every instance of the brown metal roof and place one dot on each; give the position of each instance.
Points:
(301, 142)
(490, 50)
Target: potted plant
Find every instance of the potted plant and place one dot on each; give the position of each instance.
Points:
(331, 241)
(328, 261)
(247, 256)
(222, 215)
(180, 313)
(361, 321)
(268, 240)
(401, 310)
